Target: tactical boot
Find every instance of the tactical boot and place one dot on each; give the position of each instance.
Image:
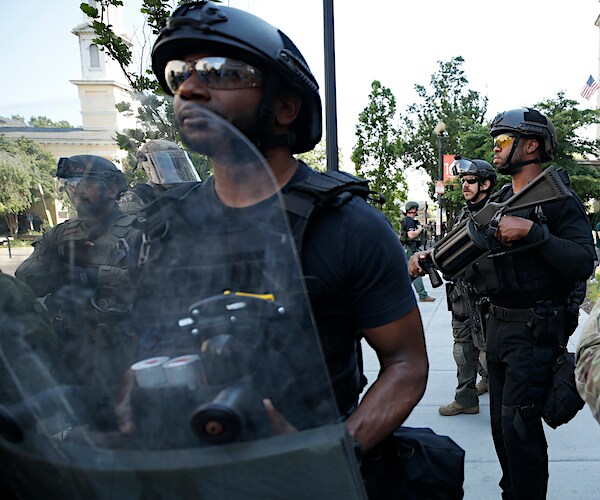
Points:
(482, 387)
(455, 409)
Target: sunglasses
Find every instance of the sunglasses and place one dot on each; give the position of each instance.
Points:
(470, 180)
(503, 140)
(220, 73)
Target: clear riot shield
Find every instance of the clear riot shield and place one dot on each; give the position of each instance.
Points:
(209, 384)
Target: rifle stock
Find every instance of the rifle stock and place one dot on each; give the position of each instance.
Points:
(463, 245)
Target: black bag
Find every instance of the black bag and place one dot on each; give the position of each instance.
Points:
(415, 464)
(562, 401)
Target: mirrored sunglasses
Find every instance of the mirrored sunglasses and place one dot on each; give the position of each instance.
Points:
(503, 140)
(220, 73)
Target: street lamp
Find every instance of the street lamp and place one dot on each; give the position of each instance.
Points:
(439, 129)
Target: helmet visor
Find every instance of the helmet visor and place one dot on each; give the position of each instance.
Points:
(221, 73)
(464, 167)
(170, 167)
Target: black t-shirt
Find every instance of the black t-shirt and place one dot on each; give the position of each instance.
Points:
(353, 263)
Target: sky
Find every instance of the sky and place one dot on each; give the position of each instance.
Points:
(517, 52)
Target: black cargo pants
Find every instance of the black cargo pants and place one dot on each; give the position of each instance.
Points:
(519, 368)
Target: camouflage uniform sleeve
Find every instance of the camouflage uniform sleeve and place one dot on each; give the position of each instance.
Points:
(42, 270)
(130, 203)
(587, 365)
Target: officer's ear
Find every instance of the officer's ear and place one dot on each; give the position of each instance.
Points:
(485, 185)
(532, 145)
(287, 107)
(111, 190)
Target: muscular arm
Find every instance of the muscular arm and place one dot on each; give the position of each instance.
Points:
(400, 348)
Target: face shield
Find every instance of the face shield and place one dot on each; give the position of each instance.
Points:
(169, 167)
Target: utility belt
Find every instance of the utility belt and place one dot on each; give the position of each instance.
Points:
(551, 323)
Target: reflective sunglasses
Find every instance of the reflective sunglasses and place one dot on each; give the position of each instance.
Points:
(503, 140)
(220, 73)
(470, 180)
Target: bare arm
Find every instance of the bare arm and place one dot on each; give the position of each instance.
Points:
(400, 347)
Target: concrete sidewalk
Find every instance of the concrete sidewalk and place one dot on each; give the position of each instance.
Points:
(573, 449)
(8, 265)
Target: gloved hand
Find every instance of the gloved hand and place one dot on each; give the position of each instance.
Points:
(75, 244)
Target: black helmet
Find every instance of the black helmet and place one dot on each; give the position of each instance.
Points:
(478, 168)
(235, 33)
(91, 167)
(527, 122)
(411, 205)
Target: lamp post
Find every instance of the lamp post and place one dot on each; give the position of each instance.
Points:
(439, 129)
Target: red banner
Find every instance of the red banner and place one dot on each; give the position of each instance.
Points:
(448, 159)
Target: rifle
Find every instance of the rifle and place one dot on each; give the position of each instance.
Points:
(472, 312)
(472, 238)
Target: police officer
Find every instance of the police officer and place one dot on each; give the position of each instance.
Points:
(529, 289)
(212, 57)
(478, 178)
(166, 165)
(414, 232)
(80, 267)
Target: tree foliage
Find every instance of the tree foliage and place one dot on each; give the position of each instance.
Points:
(155, 112)
(376, 153)
(43, 122)
(463, 110)
(15, 195)
(572, 147)
(39, 162)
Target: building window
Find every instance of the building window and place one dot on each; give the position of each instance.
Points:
(94, 56)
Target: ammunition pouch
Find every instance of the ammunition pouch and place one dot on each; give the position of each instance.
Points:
(550, 324)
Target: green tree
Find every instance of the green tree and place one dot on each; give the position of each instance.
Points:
(155, 113)
(572, 147)
(317, 157)
(15, 195)
(45, 122)
(375, 155)
(39, 162)
(462, 110)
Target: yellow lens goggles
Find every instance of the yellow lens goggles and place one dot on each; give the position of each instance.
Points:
(503, 140)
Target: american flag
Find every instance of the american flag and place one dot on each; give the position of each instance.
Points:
(589, 88)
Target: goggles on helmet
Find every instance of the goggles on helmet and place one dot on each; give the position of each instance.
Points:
(220, 73)
(463, 167)
(503, 140)
(69, 184)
